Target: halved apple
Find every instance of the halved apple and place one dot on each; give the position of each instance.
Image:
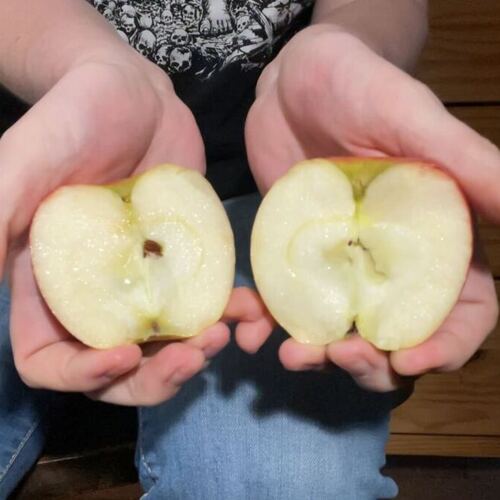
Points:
(149, 258)
(379, 246)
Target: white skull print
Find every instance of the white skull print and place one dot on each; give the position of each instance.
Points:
(167, 16)
(145, 42)
(212, 34)
(162, 55)
(180, 60)
(108, 14)
(146, 21)
(242, 23)
(179, 37)
(191, 14)
(128, 24)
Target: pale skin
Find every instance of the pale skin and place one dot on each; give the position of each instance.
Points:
(102, 113)
(337, 89)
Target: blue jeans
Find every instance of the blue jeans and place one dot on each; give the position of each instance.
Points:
(21, 413)
(245, 428)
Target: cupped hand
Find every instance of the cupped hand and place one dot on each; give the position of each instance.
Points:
(328, 94)
(101, 122)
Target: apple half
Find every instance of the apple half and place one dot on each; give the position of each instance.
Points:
(149, 258)
(377, 246)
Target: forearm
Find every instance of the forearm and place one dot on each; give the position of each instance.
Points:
(41, 40)
(395, 29)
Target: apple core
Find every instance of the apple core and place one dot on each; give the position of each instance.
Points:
(382, 246)
(149, 258)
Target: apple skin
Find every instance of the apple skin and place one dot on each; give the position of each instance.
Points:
(360, 172)
(204, 253)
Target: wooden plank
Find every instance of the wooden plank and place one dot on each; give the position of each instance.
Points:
(444, 446)
(483, 119)
(445, 478)
(80, 474)
(466, 402)
(490, 236)
(461, 62)
(130, 492)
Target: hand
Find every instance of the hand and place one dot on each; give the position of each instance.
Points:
(328, 94)
(101, 122)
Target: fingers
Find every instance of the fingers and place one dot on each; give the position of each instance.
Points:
(368, 366)
(255, 324)
(244, 305)
(48, 357)
(251, 335)
(461, 334)
(177, 141)
(45, 355)
(402, 118)
(419, 126)
(164, 368)
(157, 379)
(211, 341)
(69, 366)
(406, 119)
(298, 357)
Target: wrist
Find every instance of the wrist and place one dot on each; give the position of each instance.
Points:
(304, 46)
(41, 43)
(395, 31)
(128, 62)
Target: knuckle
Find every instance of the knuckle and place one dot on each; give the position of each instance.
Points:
(28, 381)
(25, 375)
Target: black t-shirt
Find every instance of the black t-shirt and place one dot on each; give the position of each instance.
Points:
(214, 51)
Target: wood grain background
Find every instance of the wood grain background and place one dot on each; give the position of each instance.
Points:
(459, 414)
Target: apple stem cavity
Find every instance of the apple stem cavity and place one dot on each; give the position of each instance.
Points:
(155, 327)
(152, 248)
(353, 330)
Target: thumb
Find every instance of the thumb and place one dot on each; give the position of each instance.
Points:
(423, 128)
(177, 139)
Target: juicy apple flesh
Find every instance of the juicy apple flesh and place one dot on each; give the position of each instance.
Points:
(377, 246)
(149, 258)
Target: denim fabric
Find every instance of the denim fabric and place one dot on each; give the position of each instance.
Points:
(246, 429)
(21, 413)
(243, 429)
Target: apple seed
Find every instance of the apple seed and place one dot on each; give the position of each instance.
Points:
(152, 248)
